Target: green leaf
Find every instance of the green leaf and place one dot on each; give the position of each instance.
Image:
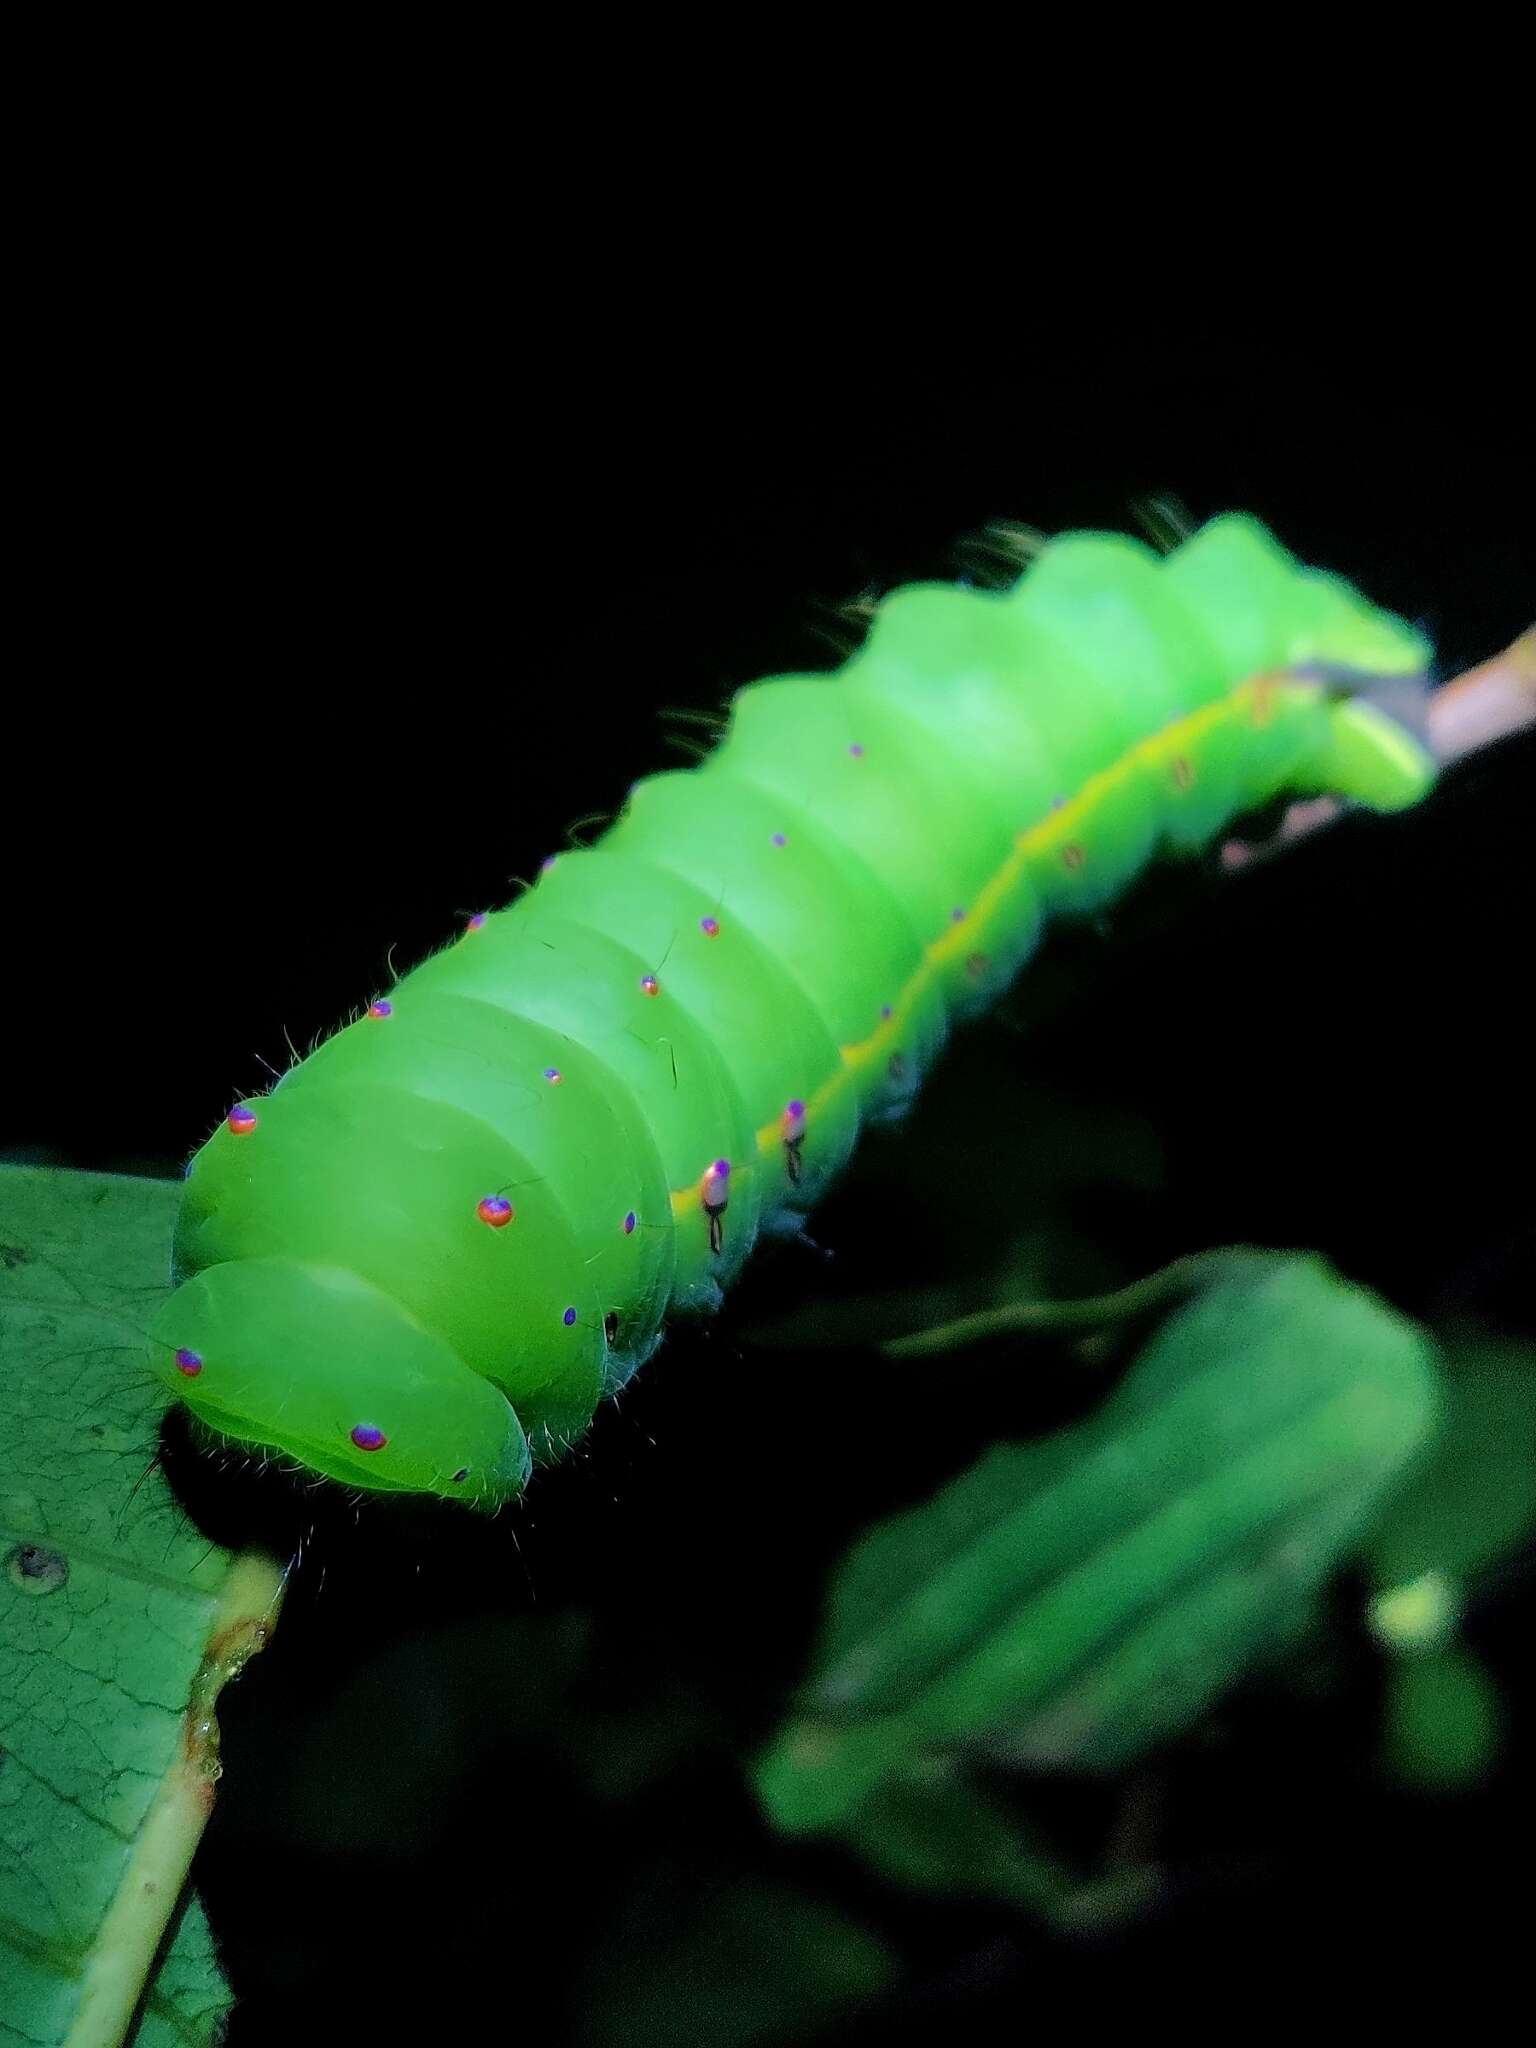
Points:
(1473, 1502)
(1443, 1720)
(1071, 1602)
(932, 1827)
(118, 1626)
(756, 1963)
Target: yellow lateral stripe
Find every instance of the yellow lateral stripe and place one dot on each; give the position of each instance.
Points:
(1253, 698)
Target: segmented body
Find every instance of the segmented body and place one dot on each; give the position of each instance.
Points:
(427, 1255)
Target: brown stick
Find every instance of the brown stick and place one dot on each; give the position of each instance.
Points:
(1485, 704)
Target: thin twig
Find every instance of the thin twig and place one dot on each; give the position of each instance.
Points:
(1085, 1312)
(1485, 704)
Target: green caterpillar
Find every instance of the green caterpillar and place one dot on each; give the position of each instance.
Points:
(420, 1262)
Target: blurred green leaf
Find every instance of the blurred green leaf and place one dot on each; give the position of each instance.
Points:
(1070, 1602)
(1474, 1500)
(107, 1599)
(931, 1827)
(757, 1962)
(1443, 1720)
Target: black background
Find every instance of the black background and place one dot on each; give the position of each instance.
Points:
(333, 641)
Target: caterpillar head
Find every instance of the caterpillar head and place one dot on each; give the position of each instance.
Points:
(1334, 625)
(1263, 609)
(315, 1363)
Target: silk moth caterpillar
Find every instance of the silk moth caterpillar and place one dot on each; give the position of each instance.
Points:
(420, 1261)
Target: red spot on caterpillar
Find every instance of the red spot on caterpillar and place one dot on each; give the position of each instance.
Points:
(649, 985)
(381, 1008)
(189, 1363)
(241, 1122)
(710, 927)
(495, 1210)
(1072, 858)
(368, 1436)
(856, 750)
(630, 1219)
(475, 922)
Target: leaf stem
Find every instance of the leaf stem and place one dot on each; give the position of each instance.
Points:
(1089, 1311)
(118, 1964)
